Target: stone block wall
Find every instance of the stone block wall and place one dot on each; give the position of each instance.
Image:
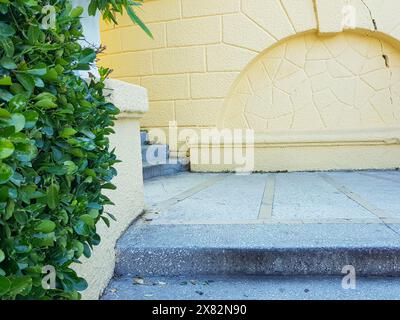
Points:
(269, 65)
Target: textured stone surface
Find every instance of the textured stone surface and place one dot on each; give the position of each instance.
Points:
(199, 112)
(194, 8)
(303, 84)
(187, 233)
(142, 40)
(335, 72)
(131, 99)
(196, 31)
(167, 87)
(211, 85)
(311, 249)
(226, 36)
(190, 60)
(252, 288)
(337, 197)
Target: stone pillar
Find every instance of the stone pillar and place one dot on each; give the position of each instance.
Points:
(128, 198)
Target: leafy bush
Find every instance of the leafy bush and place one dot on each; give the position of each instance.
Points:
(55, 158)
(111, 8)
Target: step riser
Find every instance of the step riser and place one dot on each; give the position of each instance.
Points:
(163, 170)
(155, 153)
(293, 262)
(144, 137)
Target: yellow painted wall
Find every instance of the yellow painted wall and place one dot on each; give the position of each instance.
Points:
(270, 65)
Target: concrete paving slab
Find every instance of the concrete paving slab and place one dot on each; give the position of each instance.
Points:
(235, 197)
(308, 196)
(163, 188)
(393, 176)
(252, 288)
(383, 194)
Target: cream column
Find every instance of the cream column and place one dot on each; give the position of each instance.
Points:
(128, 197)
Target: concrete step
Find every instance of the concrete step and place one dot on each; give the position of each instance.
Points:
(152, 153)
(144, 137)
(260, 250)
(251, 288)
(157, 170)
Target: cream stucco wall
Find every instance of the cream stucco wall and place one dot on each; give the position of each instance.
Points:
(271, 65)
(129, 197)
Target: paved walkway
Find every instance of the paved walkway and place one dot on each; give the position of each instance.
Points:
(281, 198)
(263, 236)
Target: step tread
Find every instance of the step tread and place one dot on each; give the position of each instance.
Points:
(250, 287)
(260, 236)
(373, 249)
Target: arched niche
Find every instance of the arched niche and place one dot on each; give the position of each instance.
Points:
(311, 83)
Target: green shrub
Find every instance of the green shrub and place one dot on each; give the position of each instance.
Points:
(55, 158)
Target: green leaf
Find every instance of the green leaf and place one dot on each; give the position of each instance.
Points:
(86, 250)
(109, 186)
(8, 63)
(31, 117)
(92, 8)
(18, 102)
(5, 285)
(5, 95)
(67, 132)
(138, 21)
(46, 104)
(6, 30)
(53, 196)
(33, 34)
(38, 82)
(6, 148)
(46, 226)
(76, 12)
(8, 46)
(27, 81)
(45, 96)
(19, 137)
(4, 114)
(20, 285)
(9, 210)
(2, 256)
(25, 152)
(23, 248)
(51, 75)
(6, 172)
(39, 70)
(106, 221)
(44, 239)
(87, 219)
(5, 81)
(18, 121)
(87, 56)
(82, 228)
(81, 284)
(21, 217)
(71, 167)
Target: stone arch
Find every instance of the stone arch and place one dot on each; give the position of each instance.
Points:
(309, 82)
